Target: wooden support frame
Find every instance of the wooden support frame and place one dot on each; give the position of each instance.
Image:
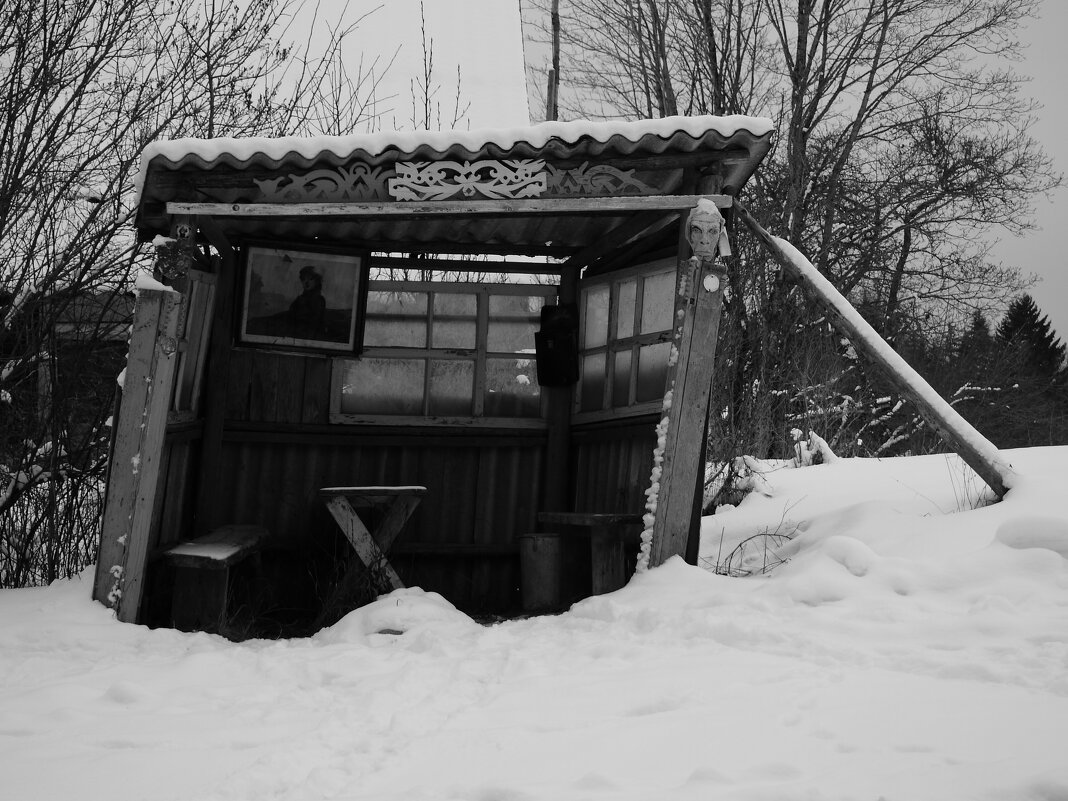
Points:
(137, 453)
(398, 504)
(977, 451)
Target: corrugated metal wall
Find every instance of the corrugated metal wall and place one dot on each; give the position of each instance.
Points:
(611, 464)
(483, 491)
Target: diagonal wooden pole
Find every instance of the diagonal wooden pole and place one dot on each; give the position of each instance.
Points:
(975, 449)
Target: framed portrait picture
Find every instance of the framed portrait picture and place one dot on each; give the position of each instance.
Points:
(303, 299)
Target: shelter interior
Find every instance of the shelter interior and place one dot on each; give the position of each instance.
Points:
(486, 317)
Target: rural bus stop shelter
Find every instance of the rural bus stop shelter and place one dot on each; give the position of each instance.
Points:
(477, 323)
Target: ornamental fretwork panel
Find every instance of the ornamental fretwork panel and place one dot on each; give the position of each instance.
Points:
(457, 180)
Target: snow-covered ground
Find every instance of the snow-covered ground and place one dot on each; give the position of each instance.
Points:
(905, 650)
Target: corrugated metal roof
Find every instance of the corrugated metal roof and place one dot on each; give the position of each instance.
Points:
(234, 171)
(561, 140)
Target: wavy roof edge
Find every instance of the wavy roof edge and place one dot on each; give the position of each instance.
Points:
(655, 135)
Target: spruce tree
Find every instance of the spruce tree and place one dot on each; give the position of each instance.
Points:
(1027, 332)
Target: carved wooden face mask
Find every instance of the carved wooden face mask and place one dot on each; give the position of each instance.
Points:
(704, 227)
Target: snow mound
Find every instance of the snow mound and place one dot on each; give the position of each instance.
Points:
(401, 611)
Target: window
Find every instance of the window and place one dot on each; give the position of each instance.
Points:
(626, 339)
(445, 351)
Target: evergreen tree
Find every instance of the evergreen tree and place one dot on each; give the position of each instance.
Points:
(1027, 333)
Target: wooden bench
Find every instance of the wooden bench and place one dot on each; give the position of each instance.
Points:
(609, 534)
(202, 575)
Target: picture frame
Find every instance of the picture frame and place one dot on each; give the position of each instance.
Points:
(303, 299)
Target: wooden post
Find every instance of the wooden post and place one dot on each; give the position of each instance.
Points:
(680, 443)
(678, 461)
(556, 470)
(137, 453)
(206, 514)
(977, 451)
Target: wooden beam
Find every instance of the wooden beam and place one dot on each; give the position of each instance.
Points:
(623, 233)
(137, 453)
(495, 206)
(216, 236)
(977, 451)
(466, 265)
(215, 387)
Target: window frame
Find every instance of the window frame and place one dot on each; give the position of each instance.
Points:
(615, 344)
(480, 355)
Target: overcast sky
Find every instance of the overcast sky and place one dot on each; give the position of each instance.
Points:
(484, 38)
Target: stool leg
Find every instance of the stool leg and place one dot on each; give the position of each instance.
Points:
(606, 555)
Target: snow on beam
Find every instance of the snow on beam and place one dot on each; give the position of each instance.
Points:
(975, 449)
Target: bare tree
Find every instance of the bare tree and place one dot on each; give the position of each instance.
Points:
(84, 88)
(426, 107)
(902, 145)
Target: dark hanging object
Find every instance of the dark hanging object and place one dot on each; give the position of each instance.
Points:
(557, 345)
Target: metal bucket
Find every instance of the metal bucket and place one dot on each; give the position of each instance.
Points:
(540, 570)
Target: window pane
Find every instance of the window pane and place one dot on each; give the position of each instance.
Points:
(516, 305)
(625, 308)
(652, 371)
(595, 319)
(391, 332)
(383, 386)
(658, 302)
(452, 387)
(592, 382)
(461, 304)
(455, 317)
(621, 378)
(513, 319)
(511, 388)
(512, 336)
(396, 319)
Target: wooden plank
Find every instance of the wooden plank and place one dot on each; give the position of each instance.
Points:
(584, 205)
(467, 265)
(289, 395)
(137, 453)
(689, 383)
(589, 518)
(975, 449)
(316, 391)
(219, 549)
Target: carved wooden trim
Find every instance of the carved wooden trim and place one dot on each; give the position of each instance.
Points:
(358, 182)
(445, 180)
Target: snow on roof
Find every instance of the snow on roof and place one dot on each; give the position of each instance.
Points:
(259, 150)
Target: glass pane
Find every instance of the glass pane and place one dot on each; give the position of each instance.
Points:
(395, 319)
(511, 389)
(452, 387)
(383, 386)
(592, 382)
(658, 302)
(516, 305)
(652, 371)
(595, 317)
(625, 308)
(513, 319)
(455, 320)
(621, 378)
(387, 301)
(461, 304)
(390, 332)
(512, 336)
